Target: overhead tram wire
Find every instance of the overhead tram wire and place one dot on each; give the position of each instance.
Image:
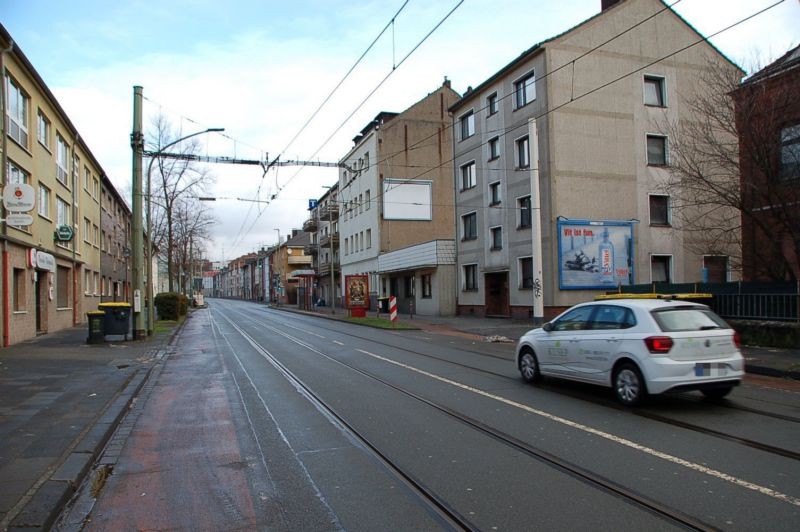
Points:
(504, 131)
(394, 68)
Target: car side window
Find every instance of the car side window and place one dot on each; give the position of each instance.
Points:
(574, 320)
(613, 317)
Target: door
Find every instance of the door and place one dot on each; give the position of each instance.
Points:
(38, 298)
(597, 346)
(497, 294)
(561, 343)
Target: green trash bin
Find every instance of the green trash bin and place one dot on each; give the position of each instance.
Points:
(96, 334)
(117, 319)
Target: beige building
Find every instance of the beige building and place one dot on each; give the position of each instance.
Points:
(395, 195)
(52, 266)
(564, 149)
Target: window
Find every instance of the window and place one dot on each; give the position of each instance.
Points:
(16, 174)
(524, 207)
(43, 129)
(347, 246)
(61, 159)
(610, 317)
(62, 212)
(468, 176)
(87, 229)
(62, 286)
(360, 203)
(656, 150)
(76, 177)
(87, 282)
(659, 210)
(526, 273)
(96, 282)
(426, 287)
(525, 90)
(654, 91)
(369, 238)
(494, 193)
(574, 320)
(716, 268)
(366, 160)
(44, 201)
(20, 300)
(17, 102)
(661, 268)
(408, 285)
(523, 153)
(366, 200)
(497, 238)
(467, 125)
(491, 103)
(96, 238)
(470, 277)
(361, 241)
(469, 227)
(87, 179)
(494, 148)
(790, 153)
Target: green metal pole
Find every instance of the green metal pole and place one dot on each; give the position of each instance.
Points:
(137, 146)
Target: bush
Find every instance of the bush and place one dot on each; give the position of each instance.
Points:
(171, 305)
(767, 333)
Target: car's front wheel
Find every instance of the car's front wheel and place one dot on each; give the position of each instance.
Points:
(717, 393)
(629, 386)
(529, 366)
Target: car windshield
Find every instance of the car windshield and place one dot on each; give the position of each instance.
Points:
(688, 319)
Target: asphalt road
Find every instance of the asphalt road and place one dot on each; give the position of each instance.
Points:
(270, 420)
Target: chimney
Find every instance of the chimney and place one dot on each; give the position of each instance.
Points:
(446, 82)
(605, 4)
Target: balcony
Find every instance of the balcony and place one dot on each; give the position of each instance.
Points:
(304, 260)
(310, 225)
(329, 211)
(310, 249)
(325, 241)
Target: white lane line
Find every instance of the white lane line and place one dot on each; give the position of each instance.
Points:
(337, 342)
(616, 439)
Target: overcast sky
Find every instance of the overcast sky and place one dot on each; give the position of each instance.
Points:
(261, 68)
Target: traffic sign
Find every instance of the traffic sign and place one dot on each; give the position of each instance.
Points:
(312, 204)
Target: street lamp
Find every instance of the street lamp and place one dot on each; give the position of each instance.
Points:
(153, 156)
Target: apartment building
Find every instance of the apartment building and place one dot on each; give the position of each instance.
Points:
(563, 151)
(395, 195)
(115, 242)
(322, 226)
(52, 257)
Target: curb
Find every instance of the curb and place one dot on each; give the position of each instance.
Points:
(771, 372)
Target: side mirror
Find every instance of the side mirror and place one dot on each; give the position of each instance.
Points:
(547, 327)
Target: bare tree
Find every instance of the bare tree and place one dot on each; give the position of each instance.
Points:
(176, 186)
(193, 222)
(714, 198)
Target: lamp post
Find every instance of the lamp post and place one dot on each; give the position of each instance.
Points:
(277, 287)
(153, 156)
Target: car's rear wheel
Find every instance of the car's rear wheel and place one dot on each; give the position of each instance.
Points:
(717, 393)
(529, 366)
(629, 386)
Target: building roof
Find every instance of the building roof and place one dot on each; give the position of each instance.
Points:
(788, 61)
(299, 240)
(539, 47)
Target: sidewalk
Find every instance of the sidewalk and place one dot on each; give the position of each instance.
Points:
(769, 361)
(60, 401)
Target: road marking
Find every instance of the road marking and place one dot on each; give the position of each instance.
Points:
(611, 437)
(337, 342)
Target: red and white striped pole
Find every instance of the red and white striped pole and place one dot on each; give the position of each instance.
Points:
(393, 308)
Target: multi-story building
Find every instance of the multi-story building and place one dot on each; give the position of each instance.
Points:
(396, 217)
(323, 228)
(115, 234)
(287, 260)
(52, 260)
(563, 151)
(768, 121)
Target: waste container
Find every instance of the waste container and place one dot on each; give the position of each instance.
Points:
(383, 304)
(117, 319)
(96, 334)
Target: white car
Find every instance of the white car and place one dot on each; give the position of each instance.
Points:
(637, 347)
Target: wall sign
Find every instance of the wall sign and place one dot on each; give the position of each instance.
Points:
(19, 197)
(594, 255)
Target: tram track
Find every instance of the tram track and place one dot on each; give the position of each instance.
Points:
(436, 502)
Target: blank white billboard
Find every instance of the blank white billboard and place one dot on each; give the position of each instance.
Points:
(407, 200)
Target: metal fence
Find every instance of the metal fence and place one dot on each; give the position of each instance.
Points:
(739, 300)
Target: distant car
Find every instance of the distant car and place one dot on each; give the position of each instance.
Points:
(636, 347)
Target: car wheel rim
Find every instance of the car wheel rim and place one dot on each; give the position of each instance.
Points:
(528, 366)
(627, 385)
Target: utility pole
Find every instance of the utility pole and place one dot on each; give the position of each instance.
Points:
(137, 146)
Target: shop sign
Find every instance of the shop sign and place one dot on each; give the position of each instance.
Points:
(64, 233)
(41, 260)
(19, 197)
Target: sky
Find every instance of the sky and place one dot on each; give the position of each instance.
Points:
(260, 69)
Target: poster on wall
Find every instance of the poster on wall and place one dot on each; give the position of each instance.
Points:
(594, 255)
(356, 291)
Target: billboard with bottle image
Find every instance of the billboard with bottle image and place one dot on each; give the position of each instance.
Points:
(595, 255)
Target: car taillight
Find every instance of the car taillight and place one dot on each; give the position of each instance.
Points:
(658, 344)
(737, 339)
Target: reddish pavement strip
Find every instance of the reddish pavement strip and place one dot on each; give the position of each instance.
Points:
(185, 436)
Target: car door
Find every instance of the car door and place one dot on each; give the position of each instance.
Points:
(595, 348)
(562, 339)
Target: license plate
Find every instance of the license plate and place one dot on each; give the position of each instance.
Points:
(710, 370)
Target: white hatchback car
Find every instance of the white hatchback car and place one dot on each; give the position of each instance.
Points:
(637, 347)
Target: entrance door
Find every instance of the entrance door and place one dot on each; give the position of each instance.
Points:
(497, 294)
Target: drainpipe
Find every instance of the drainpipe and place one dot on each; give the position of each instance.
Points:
(6, 319)
(76, 177)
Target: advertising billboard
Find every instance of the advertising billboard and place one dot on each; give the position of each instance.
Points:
(356, 291)
(594, 255)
